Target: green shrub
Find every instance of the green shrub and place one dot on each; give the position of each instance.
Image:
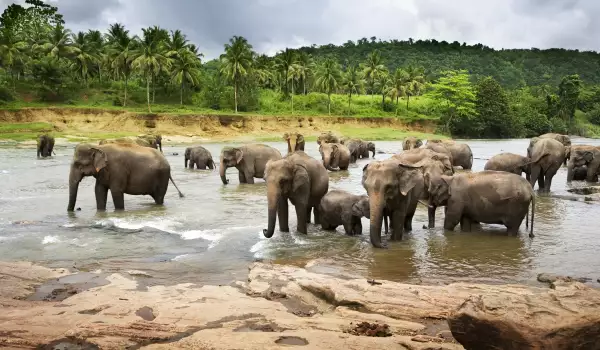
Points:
(559, 126)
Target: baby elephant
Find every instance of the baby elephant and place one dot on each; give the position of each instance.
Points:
(343, 208)
(510, 163)
(199, 156)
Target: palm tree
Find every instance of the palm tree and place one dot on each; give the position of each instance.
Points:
(195, 50)
(305, 64)
(149, 58)
(285, 60)
(293, 75)
(328, 78)
(84, 56)
(263, 70)
(58, 42)
(414, 82)
(236, 62)
(398, 86)
(382, 85)
(352, 83)
(186, 68)
(120, 53)
(11, 51)
(161, 37)
(373, 67)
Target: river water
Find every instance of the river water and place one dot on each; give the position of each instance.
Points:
(212, 234)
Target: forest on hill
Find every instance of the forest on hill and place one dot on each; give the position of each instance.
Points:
(469, 90)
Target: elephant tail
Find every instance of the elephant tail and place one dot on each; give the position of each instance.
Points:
(174, 184)
(531, 235)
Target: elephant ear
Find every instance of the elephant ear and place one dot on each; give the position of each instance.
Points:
(99, 159)
(419, 143)
(300, 138)
(300, 177)
(286, 136)
(239, 155)
(408, 177)
(588, 156)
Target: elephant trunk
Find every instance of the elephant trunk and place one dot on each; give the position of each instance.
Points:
(570, 171)
(376, 204)
(160, 147)
(75, 177)
(291, 146)
(273, 197)
(222, 168)
(373, 150)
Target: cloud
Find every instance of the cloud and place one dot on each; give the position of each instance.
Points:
(272, 25)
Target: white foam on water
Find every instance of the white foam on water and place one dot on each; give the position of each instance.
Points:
(50, 240)
(180, 257)
(159, 224)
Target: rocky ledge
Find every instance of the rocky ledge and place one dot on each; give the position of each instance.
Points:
(282, 306)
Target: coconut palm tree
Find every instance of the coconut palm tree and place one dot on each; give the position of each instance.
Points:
(293, 76)
(415, 81)
(264, 71)
(83, 57)
(58, 43)
(176, 44)
(120, 53)
(149, 58)
(352, 83)
(12, 50)
(236, 63)
(328, 78)
(95, 41)
(383, 84)
(373, 67)
(185, 69)
(305, 65)
(398, 86)
(285, 60)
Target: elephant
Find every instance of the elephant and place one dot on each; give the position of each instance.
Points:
(511, 163)
(152, 141)
(122, 169)
(250, 161)
(492, 197)
(411, 142)
(580, 174)
(45, 145)
(564, 139)
(440, 148)
(327, 137)
(432, 165)
(200, 157)
(358, 148)
(462, 155)
(335, 156)
(370, 148)
(343, 208)
(584, 156)
(301, 179)
(295, 141)
(547, 155)
(394, 189)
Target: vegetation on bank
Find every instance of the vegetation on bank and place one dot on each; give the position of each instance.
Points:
(468, 90)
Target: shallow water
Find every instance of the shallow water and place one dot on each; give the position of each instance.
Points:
(212, 234)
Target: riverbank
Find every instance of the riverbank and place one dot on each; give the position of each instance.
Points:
(82, 124)
(283, 305)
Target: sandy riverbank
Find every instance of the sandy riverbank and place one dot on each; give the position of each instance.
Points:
(283, 305)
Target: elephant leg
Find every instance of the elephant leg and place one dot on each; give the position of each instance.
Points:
(283, 213)
(398, 217)
(191, 164)
(317, 212)
(453, 217)
(465, 224)
(308, 211)
(408, 222)
(535, 174)
(242, 177)
(301, 210)
(431, 216)
(512, 230)
(211, 165)
(118, 200)
(348, 228)
(101, 192)
(249, 177)
(356, 226)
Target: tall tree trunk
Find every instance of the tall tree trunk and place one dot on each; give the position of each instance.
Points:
(235, 96)
(397, 100)
(148, 92)
(153, 89)
(181, 96)
(292, 97)
(304, 85)
(329, 103)
(407, 100)
(382, 101)
(125, 100)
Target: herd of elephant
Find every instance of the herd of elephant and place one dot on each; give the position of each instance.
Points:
(421, 173)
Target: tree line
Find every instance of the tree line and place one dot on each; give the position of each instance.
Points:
(473, 90)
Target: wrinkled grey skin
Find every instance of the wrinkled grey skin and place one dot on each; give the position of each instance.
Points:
(438, 147)
(200, 157)
(584, 156)
(580, 174)
(249, 160)
(343, 208)
(335, 156)
(564, 139)
(295, 141)
(327, 137)
(547, 155)
(370, 148)
(122, 169)
(300, 179)
(411, 142)
(395, 188)
(511, 163)
(45, 146)
(462, 155)
(492, 197)
(432, 165)
(152, 141)
(357, 148)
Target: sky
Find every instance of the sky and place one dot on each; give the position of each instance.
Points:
(272, 25)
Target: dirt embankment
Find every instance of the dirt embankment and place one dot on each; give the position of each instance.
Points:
(91, 123)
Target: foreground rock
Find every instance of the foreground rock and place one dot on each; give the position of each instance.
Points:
(278, 306)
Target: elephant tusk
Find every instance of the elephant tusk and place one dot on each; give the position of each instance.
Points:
(426, 204)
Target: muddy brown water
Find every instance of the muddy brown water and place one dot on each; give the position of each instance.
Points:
(212, 234)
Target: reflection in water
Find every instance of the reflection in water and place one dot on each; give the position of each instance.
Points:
(212, 234)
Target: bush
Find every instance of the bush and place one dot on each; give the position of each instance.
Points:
(6, 94)
(536, 124)
(559, 126)
(594, 115)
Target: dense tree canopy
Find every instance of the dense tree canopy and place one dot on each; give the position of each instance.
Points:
(472, 90)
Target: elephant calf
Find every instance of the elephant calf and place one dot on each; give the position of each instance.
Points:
(335, 156)
(295, 141)
(511, 163)
(327, 137)
(45, 145)
(411, 142)
(492, 197)
(343, 208)
(249, 160)
(200, 157)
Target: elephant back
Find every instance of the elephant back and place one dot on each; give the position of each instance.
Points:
(547, 147)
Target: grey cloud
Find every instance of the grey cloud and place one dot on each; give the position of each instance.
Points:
(271, 25)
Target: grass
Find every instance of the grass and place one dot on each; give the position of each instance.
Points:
(24, 131)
